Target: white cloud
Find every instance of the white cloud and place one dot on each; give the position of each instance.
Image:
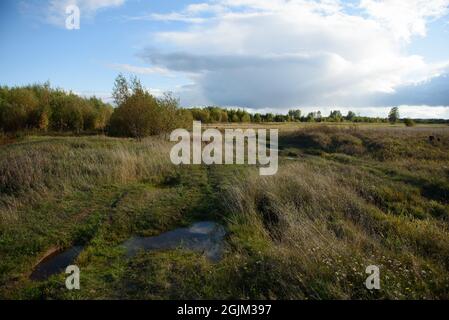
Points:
(406, 111)
(424, 112)
(406, 18)
(280, 53)
(170, 17)
(140, 70)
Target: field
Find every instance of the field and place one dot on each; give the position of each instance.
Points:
(345, 197)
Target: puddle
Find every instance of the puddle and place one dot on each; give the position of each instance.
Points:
(205, 237)
(55, 263)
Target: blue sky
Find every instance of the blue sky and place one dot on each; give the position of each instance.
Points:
(268, 55)
(81, 60)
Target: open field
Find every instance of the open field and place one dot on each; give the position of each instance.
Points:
(345, 197)
(289, 126)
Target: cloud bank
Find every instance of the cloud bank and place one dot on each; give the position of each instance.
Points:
(285, 53)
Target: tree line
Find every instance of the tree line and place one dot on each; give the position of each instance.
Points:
(137, 112)
(223, 115)
(40, 107)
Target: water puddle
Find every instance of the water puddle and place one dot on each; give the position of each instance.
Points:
(55, 263)
(205, 237)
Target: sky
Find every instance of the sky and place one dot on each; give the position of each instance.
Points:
(263, 55)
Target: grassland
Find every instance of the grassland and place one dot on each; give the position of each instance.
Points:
(345, 197)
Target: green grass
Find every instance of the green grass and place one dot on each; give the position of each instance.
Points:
(343, 199)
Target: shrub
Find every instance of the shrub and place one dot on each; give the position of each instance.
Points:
(136, 117)
(409, 122)
(140, 114)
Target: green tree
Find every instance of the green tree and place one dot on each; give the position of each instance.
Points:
(269, 117)
(136, 117)
(280, 118)
(294, 115)
(350, 116)
(215, 114)
(121, 90)
(224, 116)
(311, 117)
(141, 114)
(44, 121)
(245, 117)
(409, 122)
(202, 115)
(102, 113)
(12, 118)
(170, 114)
(66, 113)
(393, 116)
(184, 118)
(335, 116)
(40, 107)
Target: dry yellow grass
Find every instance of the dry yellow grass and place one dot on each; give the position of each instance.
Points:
(41, 166)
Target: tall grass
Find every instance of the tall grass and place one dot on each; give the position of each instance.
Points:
(316, 226)
(377, 143)
(39, 167)
(343, 199)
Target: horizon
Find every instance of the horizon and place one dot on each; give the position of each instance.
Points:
(262, 56)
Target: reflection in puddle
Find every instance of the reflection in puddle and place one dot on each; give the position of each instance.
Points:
(55, 263)
(206, 237)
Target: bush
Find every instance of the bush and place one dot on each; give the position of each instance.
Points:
(136, 117)
(409, 122)
(140, 114)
